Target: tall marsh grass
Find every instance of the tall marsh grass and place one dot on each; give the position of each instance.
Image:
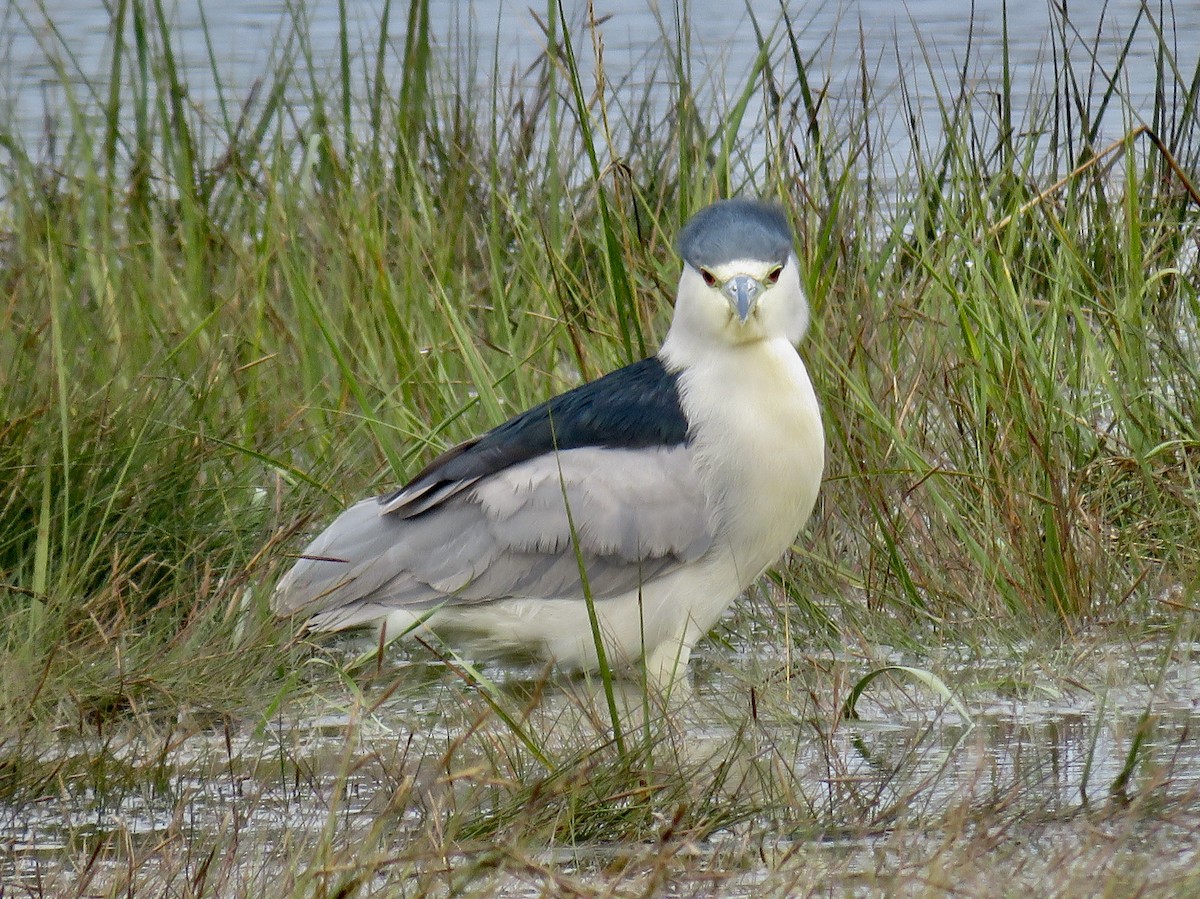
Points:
(219, 324)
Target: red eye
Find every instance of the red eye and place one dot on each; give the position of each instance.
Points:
(709, 278)
(773, 274)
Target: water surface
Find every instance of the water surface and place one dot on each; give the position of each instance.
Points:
(925, 43)
(1034, 780)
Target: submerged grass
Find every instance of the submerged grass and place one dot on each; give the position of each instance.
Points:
(219, 325)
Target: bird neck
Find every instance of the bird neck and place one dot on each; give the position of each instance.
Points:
(755, 426)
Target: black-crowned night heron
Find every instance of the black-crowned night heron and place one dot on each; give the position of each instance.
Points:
(673, 483)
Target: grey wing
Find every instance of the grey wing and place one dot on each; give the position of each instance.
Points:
(637, 515)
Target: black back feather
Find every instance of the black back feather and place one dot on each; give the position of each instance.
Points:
(633, 407)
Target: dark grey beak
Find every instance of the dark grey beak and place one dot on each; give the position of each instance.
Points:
(742, 291)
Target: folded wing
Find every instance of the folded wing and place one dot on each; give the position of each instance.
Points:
(635, 515)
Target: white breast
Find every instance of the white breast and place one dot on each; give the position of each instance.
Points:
(757, 430)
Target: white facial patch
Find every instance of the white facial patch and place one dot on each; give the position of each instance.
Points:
(755, 268)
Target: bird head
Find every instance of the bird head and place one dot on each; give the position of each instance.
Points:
(741, 277)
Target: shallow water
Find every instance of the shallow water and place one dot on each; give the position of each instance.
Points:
(924, 43)
(1036, 772)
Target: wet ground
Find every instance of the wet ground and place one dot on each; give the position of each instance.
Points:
(1052, 780)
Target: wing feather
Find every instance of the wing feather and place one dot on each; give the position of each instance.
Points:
(637, 514)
